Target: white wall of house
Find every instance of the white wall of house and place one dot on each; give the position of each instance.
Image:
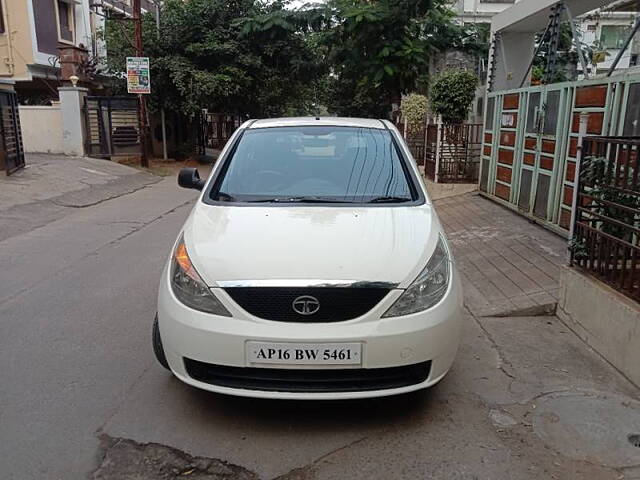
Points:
(609, 28)
(481, 11)
(41, 129)
(83, 24)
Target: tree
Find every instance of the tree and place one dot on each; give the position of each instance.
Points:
(379, 50)
(236, 56)
(261, 58)
(452, 94)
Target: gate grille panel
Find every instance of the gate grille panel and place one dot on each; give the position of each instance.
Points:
(112, 126)
(11, 150)
(215, 131)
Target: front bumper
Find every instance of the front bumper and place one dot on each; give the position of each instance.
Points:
(430, 337)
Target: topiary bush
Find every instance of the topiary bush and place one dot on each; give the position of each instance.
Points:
(414, 109)
(452, 94)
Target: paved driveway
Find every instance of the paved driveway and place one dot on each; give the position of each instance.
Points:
(83, 397)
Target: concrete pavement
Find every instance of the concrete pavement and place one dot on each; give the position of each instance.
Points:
(70, 300)
(82, 395)
(51, 186)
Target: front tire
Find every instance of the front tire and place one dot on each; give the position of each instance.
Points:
(158, 349)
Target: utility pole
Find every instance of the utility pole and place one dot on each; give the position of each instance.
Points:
(162, 117)
(142, 107)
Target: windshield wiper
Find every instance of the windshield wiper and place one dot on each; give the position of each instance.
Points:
(298, 200)
(390, 199)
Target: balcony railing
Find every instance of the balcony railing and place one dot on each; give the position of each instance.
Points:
(607, 217)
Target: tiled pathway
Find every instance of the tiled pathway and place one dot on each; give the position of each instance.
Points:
(508, 264)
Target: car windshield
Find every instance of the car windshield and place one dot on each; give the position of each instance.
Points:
(315, 165)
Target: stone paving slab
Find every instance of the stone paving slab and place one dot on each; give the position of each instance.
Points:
(509, 265)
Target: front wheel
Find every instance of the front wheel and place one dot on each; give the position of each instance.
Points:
(157, 345)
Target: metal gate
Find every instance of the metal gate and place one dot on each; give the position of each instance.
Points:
(112, 126)
(11, 150)
(537, 183)
(452, 152)
(531, 141)
(216, 129)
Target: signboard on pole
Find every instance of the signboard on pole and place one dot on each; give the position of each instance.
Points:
(138, 77)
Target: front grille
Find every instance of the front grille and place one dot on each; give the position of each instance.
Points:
(294, 380)
(336, 303)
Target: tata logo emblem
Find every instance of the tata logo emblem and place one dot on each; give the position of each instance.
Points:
(306, 305)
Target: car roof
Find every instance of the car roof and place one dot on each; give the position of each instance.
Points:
(317, 121)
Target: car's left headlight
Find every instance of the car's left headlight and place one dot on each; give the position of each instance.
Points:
(428, 288)
(188, 286)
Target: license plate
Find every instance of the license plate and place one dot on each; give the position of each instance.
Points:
(304, 353)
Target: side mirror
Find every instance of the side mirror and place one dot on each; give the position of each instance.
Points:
(190, 178)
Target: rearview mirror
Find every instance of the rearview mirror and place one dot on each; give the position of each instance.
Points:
(190, 178)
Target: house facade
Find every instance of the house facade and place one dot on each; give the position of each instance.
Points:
(37, 38)
(33, 33)
(606, 31)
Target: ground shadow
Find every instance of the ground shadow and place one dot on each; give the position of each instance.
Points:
(315, 415)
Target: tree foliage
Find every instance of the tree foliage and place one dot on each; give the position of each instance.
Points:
(452, 94)
(240, 56)
(380, 50)
(263, 58)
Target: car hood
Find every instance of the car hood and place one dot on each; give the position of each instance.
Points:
(372, 244)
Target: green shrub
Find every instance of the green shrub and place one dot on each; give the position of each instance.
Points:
(452, 94)
(414, 109)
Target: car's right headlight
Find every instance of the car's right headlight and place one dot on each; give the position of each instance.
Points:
(188, 286)
(428, 288)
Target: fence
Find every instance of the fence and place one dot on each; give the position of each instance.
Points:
(416, 141)
(431, 151)
(11, 151)
(215, 131)
(607, 215)
(448, 153)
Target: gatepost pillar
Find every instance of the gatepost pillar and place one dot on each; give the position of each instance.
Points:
(72, 110)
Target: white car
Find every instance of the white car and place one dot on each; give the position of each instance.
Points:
(313, 266)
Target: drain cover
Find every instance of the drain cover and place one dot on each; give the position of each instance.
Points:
(591, 427)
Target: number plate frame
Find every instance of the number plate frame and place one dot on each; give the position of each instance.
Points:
(270, 353)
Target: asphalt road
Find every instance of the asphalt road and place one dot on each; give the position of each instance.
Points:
(82, 396)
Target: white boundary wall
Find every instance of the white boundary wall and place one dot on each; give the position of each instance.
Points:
(604, 318)
(41, 128)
